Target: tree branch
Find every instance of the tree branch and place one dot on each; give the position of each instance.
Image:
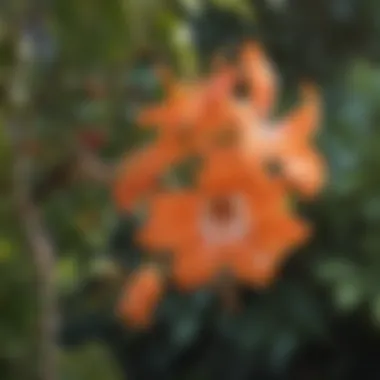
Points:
(41, 248)
(43, 255)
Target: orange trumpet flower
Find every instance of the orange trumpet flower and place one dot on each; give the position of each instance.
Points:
(181, 121)
(191, 109)
(235, 216)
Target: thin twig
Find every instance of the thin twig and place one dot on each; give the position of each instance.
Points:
(80, 165)
(91, 168)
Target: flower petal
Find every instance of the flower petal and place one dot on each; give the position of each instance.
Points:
(140, 297)
(305, 171)
(300, 124)
(261, 77)
(255, 268)
(195, 268)
(172, 221)
(140, 173)
(227, 171)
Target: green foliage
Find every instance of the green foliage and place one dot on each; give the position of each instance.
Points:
(91, 362)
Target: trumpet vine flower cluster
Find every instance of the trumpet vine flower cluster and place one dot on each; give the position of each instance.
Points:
(234, 219)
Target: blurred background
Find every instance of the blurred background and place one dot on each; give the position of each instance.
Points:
(72, 76)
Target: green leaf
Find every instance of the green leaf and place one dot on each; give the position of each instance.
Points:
(67, 273)
(6, 249)
(241, 7)
(333, 270)
(184, 48)
(375, 309)
(349, 294)
(282, 349)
